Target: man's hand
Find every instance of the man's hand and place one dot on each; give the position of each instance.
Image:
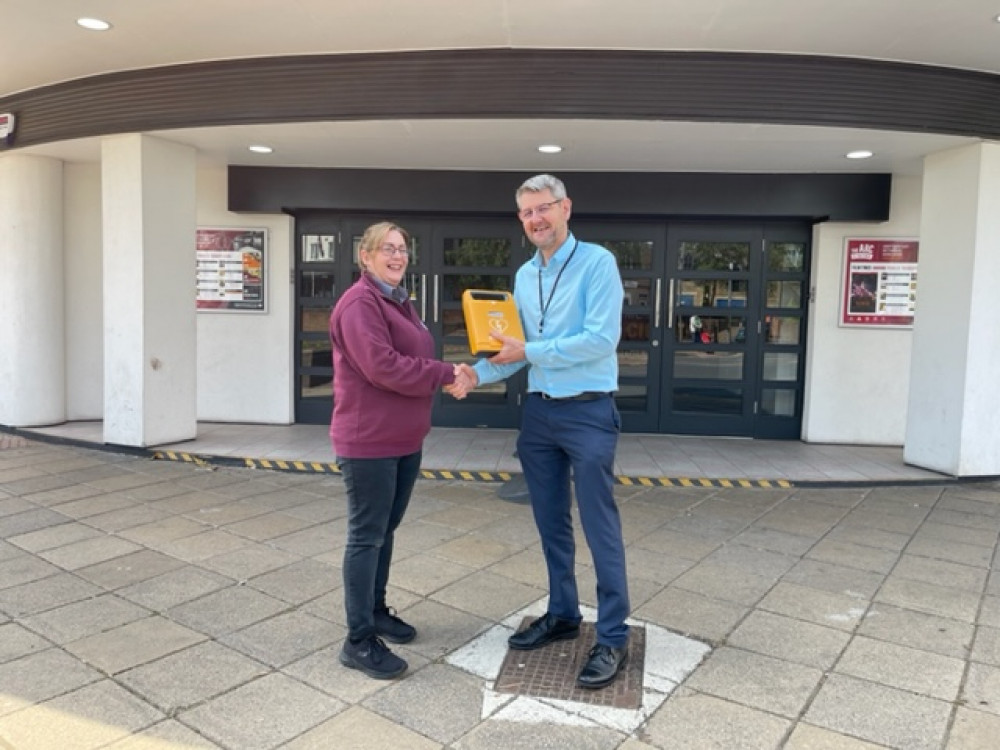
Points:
(465, 380)
(512, 350)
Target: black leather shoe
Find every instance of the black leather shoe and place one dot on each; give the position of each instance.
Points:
(545, 629)
(603, 665)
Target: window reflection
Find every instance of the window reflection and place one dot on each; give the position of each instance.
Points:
(710, 329)
(778, 402)
(635, 328)
(784, 294)
(708, 364)
(317, 386)
(477, 251)
(781, 330)
(633, 363)
(315, 319)
(786, 256)
(317, 284)
(713, 292)
(630, 254)
(708, 400)
(714, 256)
(781, 365)
(316, 353)
(637, 292)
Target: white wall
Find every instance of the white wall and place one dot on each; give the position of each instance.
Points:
(857, 379)
(245, 359)
(244, 366)
(84, 284)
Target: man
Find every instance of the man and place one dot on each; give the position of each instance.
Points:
(570, 298)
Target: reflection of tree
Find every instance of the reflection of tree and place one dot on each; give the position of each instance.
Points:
(631, 254)
(473, 251)
(715, 256)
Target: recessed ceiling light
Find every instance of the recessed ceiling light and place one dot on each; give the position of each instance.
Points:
(94, 24)
(861, 154)
(260, 149)
(550, 148)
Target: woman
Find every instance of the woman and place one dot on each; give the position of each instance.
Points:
(384, 378)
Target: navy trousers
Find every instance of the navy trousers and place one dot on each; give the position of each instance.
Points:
(378, 492)
(557, 436)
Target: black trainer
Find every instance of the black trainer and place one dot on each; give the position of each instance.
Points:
(392, 628)
(372, 657)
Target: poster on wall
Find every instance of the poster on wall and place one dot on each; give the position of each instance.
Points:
(230, 270)
(880, 282)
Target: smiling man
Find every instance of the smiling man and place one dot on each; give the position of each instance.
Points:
(570, 299)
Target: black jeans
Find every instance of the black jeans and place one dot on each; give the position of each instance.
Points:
(378, 492)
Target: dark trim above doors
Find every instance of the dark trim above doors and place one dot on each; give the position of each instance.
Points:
(812, 197)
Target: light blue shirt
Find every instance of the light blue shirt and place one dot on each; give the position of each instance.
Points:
(576, 351)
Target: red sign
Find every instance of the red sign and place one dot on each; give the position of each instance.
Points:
(880, 282)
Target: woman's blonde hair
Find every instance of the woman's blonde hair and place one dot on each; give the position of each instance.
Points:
(374, 238)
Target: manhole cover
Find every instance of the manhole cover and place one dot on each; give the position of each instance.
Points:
(550, 672)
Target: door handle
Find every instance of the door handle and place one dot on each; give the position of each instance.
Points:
(435, 305)
(670, 305)
(423, 296)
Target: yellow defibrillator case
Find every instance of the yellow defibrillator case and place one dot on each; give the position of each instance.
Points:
(489, 311)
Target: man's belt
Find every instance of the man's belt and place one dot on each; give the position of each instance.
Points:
(585, 396)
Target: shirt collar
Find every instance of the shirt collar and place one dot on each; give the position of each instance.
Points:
(397, 293)
(559, 256)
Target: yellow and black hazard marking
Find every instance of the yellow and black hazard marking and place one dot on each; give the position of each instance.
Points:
(703, 482)
(467, 476)
(447, 475)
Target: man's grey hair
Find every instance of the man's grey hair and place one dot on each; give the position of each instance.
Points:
(541, 182)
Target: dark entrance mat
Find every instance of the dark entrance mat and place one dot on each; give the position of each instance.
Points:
(550, 672)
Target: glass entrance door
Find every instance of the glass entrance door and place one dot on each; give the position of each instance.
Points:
(473, 255)
(735, 320)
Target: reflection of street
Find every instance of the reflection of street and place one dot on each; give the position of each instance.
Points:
(709, 365)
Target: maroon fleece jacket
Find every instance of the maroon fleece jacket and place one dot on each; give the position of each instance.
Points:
(384, 374)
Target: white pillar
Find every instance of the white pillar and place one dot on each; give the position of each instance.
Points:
(32, 322)
(954, 405)
(149, 218)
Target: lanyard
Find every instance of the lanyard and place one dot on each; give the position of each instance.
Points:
(545, 305)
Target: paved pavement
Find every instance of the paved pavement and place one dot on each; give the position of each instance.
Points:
(167, 605)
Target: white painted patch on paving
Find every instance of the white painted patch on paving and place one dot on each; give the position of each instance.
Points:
(669, 659)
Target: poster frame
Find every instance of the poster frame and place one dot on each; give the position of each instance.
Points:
(210, 243)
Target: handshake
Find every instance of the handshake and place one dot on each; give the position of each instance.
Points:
(465, 380)
(511, 350)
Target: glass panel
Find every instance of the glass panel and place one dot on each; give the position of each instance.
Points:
(713, 293)
(631, 397)
(778, 402)
(781, 365)
(706, 329)
(786, 256)
(317, 284)
(637, 292)
(781, 330)
(317, 385)
(477, 251)
(455, 284)
(708, 400)
(708, 364)
(631, 254)
(633, 363)
(316, 353)
(317, 248)
(714, 256)
(784, 294)
(414, 286)
(635, 328)
(453, 325)
(315, 319)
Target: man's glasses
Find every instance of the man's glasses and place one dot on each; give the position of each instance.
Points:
(540, 210)
(389, 251)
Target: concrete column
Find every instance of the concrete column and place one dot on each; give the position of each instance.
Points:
(149, 218)
(32, 321)
(954, 404)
